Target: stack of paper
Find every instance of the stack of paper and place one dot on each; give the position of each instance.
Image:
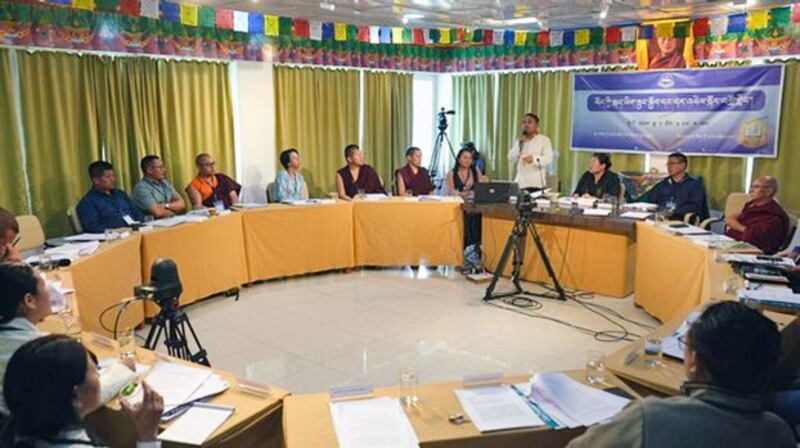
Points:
(167, 222)
(378, 422)
(572, 404)
(636, 215)
(309, 201)
(646, 206)
(778, 297)
(496, 408)
(197, 424)
(756, 259)
(70, 251)
(432, 197)
(710, 240)
(86, 237)
(375, 197)
(685, 230)
(671, 345)
(596, 211)
(180, 384)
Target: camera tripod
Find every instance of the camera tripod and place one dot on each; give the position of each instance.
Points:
(173, 323)
(516, 244)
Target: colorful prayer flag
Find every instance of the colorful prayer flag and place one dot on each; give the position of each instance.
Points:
(255, 23)
(397, 35)
(758, 20)
(444, 35)
(520, 37)
(272, 26)
(386, 35)
(301, 28)
(477, 36)
(419, 36)
(363, 33)
(629, 33)
(488, 37)
(796, 13)
(665, 29)
(498, 37)
(150, 8)
(374, 35)
(189, 14)
(327, 30)
(106, 5)
(407, 36)
(556, 38)
(719, 25)
(286, 25)
(240, 21)
(780, 17)
(543, 38)
(646, 32)
(340, 31)
(569, 38)
(83, 4)
(316, 30)
(613, 35)
(508, 38)
(224, 19)
(170, 12)
(582, 37)
(459, 35)
(700, 27)
(737, 23)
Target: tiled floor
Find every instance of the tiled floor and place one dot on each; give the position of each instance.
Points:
(307, 334)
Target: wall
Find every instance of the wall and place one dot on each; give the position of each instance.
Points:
(254, 122)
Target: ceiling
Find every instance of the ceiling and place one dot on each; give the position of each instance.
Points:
(554, 14)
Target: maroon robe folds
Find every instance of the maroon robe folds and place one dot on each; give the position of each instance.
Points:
(767, 226)
(223, 191)
(368, 180)
(419, 184)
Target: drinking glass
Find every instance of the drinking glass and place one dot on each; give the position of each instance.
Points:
(72, 326)
(595, 367)
(653, 349)
(126, 339)
(361, 193)
(409, 379)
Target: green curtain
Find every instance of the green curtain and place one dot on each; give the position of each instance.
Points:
(474, 102)
(61, 135)
(784, 168)
(388, 117)
(12, 183)
(515, 98)
(195, 115)
(316, 112)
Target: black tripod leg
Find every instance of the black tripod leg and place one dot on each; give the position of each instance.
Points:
(154, 334)
(511, 245)
(201, 357)
(546, 260)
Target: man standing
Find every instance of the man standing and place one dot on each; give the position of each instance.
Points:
(762, 222)
(103, 206)
(532, 153)
(413, 177)
(9, 236)
(357, 176)
(154, 195)
(679, 193)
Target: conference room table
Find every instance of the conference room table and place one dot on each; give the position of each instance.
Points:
(307, 421)
(255, 422)
(588, 253)
(674, 275)
(666, 380)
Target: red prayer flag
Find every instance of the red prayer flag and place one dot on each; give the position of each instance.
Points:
(419, 36)
(543, 38)
(796, 13)
(488, 37)
(130, 7)
(700, 27)
(301, 28)
(225, 19)
(613, 35)
(459, 34)
(363, 33)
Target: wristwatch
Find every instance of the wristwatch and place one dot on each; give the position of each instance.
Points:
(166, 205)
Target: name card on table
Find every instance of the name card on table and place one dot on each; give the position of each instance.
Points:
(483, 380)
(351, 392)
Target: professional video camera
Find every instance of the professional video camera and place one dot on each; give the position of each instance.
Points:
(442, 118)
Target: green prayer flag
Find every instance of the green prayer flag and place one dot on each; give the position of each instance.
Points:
(781, 17)
(286, 26)
(408, 36)
(207, 17)
(107, 5)
(681, 29)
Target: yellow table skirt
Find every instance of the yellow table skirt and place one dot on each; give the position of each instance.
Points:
(395, 232)
(210, 256)
(674, 275)
(285, 240)
(587, 260)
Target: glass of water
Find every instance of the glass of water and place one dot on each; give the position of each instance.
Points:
(595, 367)
(653, 349)
(409, 379)
(126, 339)
(362, 193)
(72, 326)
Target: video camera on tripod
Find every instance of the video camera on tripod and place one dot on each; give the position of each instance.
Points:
(442, 118)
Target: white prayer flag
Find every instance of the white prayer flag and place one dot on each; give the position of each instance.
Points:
(629, 34)
(556, 38)
(374, 35)
(149, 8)
(240, 21)
(316, 30)
(719, 25)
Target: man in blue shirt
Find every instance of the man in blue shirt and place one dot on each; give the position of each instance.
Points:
(679, 193)
(105, 207)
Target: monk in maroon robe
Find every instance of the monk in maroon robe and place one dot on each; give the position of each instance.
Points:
(357, 176)
(413, 177)
(762, 221)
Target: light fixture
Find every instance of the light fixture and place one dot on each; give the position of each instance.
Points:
(521, 21)
(604, 9)
(412, 16)
(328, 6)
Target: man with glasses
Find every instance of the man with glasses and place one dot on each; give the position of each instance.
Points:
(154, 195)
(762, 221)
(209, 187)
(730, 353)
(9, 237)
(679, 193)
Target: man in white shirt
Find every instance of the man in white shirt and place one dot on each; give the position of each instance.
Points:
(532, 153)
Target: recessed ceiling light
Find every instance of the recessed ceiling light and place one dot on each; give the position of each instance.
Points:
(328, 6)
(521, 21)
(412, 16)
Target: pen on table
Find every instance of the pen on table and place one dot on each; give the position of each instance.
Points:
(632, 356)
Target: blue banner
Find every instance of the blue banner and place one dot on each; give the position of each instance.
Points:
(721, 112)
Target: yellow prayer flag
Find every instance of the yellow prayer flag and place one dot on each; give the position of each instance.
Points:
(758, 20)
(340, 31)
(83, 4)
(444, 35)
(397, 35)
(520, 37)
(272, 26)
(665, 29)
(189, 14)
(581, 37)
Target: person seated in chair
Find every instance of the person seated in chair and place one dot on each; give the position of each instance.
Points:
(9, 236)
(289, 183)
(730, 354)
(679, 193)
(210, 187)
(103, 206)
(413, 177)
(357, 176)
(154, 194)
(762, 222)
(599, 181)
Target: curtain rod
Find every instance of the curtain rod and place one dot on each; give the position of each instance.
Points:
(116, 54)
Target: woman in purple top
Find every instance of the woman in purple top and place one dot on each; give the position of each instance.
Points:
(357, 176)
(413, 178)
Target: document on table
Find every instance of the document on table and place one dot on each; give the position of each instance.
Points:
(376, 422)
(596, 211)
(756, 259)
(686, 230)
(572, 403)
(86, 237)
(69, 251)
(167, 222)
(375, 197)
(780, 297)
(175, 382)
(496, 408)
(642, 206)
(635, 215)
(197, 424)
